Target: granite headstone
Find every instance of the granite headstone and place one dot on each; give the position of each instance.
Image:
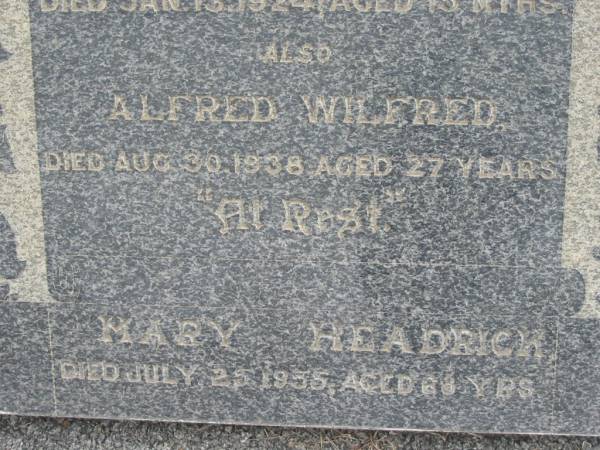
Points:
(336, 213)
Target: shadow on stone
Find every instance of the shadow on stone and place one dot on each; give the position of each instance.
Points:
(10, 266)
(7, 164)
(4, 55)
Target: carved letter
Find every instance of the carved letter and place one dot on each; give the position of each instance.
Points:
(154, 334)
(313, 108)
(146, 117)
(297, 219)
(335, 336)
(224, 216)
(174, 106)
(109, 327)
(530, 341)
(120, 109)
(187, 373)
(491, 114)
(429, 346)
(189, 330)
(224, 333)
(397, 338)
(362, 340)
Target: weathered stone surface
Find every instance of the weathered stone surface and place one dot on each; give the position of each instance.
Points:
(336, 213)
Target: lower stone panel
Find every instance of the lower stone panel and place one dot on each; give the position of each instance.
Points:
(422, 371)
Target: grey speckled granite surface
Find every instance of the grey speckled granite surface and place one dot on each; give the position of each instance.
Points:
(339, 213)
(19, 433)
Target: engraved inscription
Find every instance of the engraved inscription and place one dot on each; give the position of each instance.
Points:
(454, 341)
(205, 108)
(348, 165)
(375, 382)
(401, 111)
(191, 332)
(398, 110)
(530, 349)
(286, 53)
(488, 7)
